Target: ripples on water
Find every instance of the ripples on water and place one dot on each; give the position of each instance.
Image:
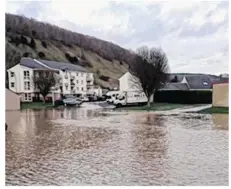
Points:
(87, 147)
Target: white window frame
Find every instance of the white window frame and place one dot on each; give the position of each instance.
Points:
(13, 84)
(82, 82)
(27, 97)
(27, 85)
(26, 74)
(11, 74)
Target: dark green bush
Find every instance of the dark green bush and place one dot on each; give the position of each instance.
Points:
(184, 97)
(41, 55)
(32, 44)
(44, 44)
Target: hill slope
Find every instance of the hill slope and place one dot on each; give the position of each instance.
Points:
(30, 38)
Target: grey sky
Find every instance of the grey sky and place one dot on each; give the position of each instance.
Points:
(193, 34)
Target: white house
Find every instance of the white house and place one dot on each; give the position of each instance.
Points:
(96, 91)
(73, 78)
(129, 82)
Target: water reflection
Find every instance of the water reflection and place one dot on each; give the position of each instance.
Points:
(80, 146)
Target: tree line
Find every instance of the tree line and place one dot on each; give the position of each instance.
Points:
(44, 31)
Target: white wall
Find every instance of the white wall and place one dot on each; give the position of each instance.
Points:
(128, 82)
(80, 80)
(19, 80)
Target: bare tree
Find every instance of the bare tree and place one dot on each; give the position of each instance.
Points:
(44, 81)
(150, 70)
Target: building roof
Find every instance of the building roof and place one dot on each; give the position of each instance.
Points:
(45, 64)
(199, 82)
(176, 86)
(62, 66)
(31, 63)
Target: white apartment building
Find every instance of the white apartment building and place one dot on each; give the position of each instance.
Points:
(74, 79)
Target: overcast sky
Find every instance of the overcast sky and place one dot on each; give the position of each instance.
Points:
(193, 34)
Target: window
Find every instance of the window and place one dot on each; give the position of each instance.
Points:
(77, 81)
(27, 97)
(77, 88)
(77, 74)
(136, 95)
(27, 85)
(82, 88)
(26, 74)
(66, 87)
(82, 74)
(82, 81)
(11, 74)
(12, 85)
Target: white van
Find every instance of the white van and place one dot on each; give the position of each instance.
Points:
(111, 96)
(130, 98)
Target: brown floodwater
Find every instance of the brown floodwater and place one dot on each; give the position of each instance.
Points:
(89, 147)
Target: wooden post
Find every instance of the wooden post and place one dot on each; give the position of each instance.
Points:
(53, 98)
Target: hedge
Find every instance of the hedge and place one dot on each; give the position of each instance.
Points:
(184, 97)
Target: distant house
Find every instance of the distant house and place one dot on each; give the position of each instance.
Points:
(183, 82)
(221, 94)
(129, 82)
(12, 100)
(198, 82)
(96, 91)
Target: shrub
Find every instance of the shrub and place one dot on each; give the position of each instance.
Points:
(16, 40)
(32, 44)
(121, 63)
(33, 33)
(26, 54)
(83, 57)
(24, 40)
(59, 102)
(36, 99)
(105, 78)
(184, 97)
(72, 59)
(41, 55)
(44, 44)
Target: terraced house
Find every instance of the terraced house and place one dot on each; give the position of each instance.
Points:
(74, 79)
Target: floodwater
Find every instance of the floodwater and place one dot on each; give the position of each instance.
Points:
(88, 146)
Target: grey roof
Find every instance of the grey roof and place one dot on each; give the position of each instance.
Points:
(199, 82)
(30, 63)
(176, 86)
(62, 66)
(179, 77)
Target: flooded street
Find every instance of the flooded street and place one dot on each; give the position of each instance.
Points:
(87, 146)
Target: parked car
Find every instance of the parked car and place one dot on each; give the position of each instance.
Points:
(59, 102)
(72, 101)
(92, 98)
(84, 99)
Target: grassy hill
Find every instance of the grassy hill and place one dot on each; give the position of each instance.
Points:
(29, 38)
